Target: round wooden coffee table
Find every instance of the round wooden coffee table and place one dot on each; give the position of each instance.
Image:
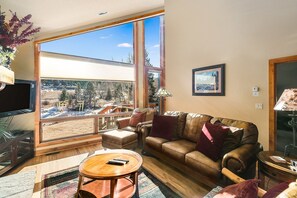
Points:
(279, 172)
(100, 178)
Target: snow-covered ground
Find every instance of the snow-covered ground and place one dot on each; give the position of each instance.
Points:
(54, 112)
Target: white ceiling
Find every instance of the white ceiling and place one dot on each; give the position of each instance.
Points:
(61, 15)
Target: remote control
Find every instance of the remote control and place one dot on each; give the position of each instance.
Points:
(123, 160)
(115, 162)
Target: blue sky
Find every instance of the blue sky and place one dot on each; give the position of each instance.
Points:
(152, 39)
(114, 43)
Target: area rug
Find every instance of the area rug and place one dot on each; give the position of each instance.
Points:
(63, 184)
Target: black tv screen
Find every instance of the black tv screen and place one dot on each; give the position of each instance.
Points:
(18, 98)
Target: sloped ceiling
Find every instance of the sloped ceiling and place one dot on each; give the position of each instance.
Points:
(60, 15)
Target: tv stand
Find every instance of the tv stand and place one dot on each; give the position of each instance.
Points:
(16, 150)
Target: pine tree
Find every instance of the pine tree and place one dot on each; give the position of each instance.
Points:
(63, 95)
(130, 92)
(151, 88)
(108, 95)
(147, 60)
(118, 91)
(78, 92)
(89, 94)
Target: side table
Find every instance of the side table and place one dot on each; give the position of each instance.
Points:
(279, 172)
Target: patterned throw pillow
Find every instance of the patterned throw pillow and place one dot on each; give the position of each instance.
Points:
(136, 118)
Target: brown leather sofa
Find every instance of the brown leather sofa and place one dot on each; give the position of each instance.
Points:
(181, 153)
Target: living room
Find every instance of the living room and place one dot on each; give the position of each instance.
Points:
(244, 35)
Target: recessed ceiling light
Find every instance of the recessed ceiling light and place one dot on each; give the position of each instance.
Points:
(102, 13)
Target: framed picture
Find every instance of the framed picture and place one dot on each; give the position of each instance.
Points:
(209, 81)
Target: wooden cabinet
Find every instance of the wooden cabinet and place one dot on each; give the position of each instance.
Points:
(16, 150)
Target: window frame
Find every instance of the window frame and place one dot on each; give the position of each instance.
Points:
(160, 69)
(75, 140)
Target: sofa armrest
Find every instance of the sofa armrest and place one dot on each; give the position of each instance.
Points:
(239, 159)
(122, 122)
(145, 131)
(142, 124)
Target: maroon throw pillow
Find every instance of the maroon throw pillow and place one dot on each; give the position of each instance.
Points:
(248, 188)
(276, 190)
(164, 126)
(136, 118)
(211, 140)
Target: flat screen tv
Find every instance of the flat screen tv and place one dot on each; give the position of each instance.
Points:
(18, 98)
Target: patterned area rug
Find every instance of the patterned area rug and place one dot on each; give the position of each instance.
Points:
(63, 184)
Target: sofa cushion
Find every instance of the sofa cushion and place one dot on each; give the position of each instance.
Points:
(136, 118)
(248, 188)
(155, 142)
(212, 139)
(233, 138)
(194, 124)
(180, 122)
(178, 149)
(164, 126)
(250, 131)
(203, 164)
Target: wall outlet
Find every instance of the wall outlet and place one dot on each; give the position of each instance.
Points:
(255, 93)
(259, 106)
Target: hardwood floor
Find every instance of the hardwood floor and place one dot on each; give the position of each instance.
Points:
(184, 186)
(174, 179)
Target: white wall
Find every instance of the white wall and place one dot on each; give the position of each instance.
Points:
(243, 34)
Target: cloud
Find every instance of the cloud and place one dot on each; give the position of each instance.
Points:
(125, 45)
(105, 36)
(156, 46)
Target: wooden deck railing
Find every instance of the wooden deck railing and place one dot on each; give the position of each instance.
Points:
(66, 127)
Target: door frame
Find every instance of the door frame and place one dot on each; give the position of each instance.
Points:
(272, 96)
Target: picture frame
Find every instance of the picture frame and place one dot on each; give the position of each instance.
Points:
(209, 81)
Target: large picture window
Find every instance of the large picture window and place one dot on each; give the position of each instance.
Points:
(88, 80)
(90, 74)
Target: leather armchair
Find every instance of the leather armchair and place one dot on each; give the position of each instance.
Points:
(123, 123)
